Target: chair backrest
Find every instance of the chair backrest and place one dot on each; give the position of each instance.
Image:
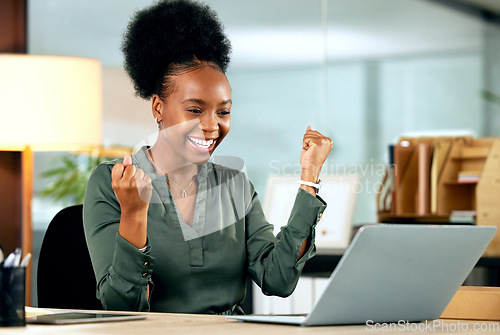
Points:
(65, 276)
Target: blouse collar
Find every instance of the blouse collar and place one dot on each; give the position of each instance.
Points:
(141, 159)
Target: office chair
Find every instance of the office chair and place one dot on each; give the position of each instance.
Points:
(65, 275)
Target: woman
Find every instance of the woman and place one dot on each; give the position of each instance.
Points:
(166, 229)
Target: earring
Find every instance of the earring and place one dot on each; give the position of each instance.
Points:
(158, 122)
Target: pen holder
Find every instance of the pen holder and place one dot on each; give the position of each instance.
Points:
(12, 296)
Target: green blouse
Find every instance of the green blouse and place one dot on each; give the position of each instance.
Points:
(198, 269)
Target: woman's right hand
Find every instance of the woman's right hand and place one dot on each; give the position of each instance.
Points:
(133, 190)
(131, 185)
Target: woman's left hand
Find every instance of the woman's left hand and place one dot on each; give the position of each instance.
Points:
(315, 150)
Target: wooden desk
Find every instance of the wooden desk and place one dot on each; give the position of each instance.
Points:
(162, 323)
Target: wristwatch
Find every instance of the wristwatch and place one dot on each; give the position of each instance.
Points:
(308, 183)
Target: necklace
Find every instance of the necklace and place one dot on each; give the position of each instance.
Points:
(183, 190)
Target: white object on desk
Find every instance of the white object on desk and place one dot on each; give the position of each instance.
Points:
(333, 232)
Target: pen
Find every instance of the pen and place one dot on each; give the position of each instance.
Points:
(26, 260)
(9, 261)
(17, 257)
(13, 259)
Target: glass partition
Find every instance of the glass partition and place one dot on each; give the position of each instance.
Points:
(363, 72)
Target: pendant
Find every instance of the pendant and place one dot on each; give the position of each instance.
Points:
(183, 194)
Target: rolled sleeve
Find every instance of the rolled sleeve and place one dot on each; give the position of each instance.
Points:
(132, 264)
(122, 271)
(306, 212)
(273, 261)
(305, 215)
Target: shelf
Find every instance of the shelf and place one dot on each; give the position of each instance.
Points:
(460, 183)
(472, 153)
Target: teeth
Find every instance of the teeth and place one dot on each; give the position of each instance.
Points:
(201, 143)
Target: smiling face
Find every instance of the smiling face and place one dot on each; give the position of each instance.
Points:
(195, 115)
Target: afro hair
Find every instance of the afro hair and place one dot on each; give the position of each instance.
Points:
(171, 33)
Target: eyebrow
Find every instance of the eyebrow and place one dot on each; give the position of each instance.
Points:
(202, 102)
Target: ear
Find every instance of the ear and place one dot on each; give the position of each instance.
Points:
(157, 106)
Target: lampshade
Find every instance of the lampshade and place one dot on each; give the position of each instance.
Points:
(50, 102)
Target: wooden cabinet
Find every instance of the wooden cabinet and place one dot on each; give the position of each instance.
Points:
(16, 191)
(465, 156)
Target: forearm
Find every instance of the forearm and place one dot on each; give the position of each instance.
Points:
(276, 267)
(305, 246)
(135, 232)
(122, 271)
(133, 227)
(310, 175)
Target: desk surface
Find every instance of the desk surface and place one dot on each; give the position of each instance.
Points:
(161, 323)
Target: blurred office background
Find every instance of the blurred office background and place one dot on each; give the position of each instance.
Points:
(361, 71)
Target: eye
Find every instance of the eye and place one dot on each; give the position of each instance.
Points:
(224, 112)
(195, 110)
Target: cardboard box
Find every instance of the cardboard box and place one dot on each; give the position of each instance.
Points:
(474, 303)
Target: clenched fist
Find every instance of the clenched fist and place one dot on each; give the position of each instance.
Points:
(133, 190)
(315, 150)
(131, 185)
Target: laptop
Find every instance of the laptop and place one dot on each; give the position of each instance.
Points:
(394, 272)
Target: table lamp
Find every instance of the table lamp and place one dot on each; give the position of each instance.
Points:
(46, 103)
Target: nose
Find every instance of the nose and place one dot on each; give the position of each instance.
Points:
(208, 122)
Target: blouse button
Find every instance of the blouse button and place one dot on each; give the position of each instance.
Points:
(146, 263)
(144, 275)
